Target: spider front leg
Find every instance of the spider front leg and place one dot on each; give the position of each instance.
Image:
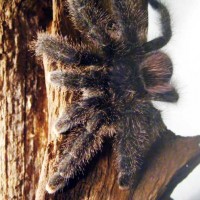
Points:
(70, 118)
(60, 49)
(92, 100)
(84, 148)
(89, 141)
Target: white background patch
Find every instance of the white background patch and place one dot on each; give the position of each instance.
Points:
(183, 118)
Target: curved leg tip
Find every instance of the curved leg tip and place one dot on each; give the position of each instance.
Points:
(124, 181)
(55, 183)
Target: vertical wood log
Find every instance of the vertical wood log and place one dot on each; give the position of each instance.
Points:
(23, 105)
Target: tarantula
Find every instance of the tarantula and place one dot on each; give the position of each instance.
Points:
(118, 76)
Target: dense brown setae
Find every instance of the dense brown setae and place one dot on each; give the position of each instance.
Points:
(118, 77)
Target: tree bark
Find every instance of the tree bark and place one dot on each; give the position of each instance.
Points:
(23, 102)
(30, 105)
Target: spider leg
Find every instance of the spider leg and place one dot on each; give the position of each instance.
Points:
(127, 13)
(74, 160)
(64, 123)
(161, 41)
(79, 113)
(56, 181)
(76, 81)
(156, 71)
(94, 23)
(129, 159)
(83, 149)
(60, 49)
(139, 131)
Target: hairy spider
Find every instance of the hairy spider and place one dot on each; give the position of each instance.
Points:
(118, 76)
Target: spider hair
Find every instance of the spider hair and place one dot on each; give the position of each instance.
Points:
(118, 75)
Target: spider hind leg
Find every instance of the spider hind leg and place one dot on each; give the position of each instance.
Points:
(138, 131)
(161, 41)
(129, 19)
(94, 23)
(127, 160)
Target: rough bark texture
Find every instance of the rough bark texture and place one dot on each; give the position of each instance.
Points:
(23, 102)
(30, 105)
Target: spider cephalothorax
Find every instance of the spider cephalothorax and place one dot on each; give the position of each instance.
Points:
(118, 76)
